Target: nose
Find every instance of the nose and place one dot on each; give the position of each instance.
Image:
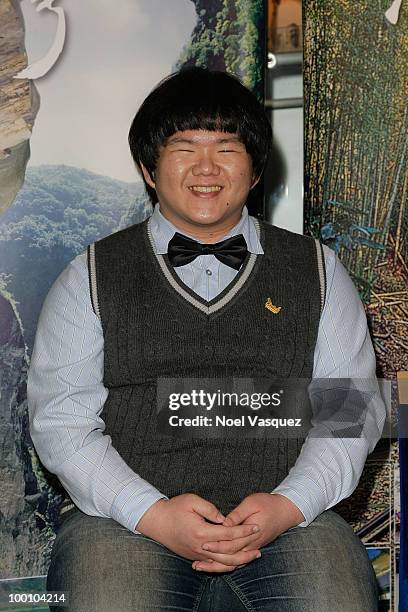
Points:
(205, 164)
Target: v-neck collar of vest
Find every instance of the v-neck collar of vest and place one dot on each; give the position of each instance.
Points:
(221, 300)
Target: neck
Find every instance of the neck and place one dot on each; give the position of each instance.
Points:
(210, 233)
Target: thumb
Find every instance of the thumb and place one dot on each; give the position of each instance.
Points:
(235, 517)
(208, 510)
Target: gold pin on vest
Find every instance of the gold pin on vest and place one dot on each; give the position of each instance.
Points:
(272, 307)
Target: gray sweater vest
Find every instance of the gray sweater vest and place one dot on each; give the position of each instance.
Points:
(155, 326)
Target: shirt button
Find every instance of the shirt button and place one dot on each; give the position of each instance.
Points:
(208, 272)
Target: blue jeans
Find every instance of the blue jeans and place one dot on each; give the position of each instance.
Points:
(105, 568)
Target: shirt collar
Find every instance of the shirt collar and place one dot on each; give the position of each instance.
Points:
(163, 231)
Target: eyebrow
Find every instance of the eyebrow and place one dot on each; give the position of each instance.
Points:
(178, 140)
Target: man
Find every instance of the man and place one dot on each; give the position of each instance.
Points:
(148, 303)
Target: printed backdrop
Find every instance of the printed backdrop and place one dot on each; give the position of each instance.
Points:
(356, 178)
(92, 63)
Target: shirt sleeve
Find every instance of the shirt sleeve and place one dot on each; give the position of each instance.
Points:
(66, 396)
(328, 469)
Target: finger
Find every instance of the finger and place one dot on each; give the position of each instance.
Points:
(236, 516)
(197, 561)
(234, 559)
(216, 533)
(231, 546)
(215, 567)
(207, 510)
(232, 519)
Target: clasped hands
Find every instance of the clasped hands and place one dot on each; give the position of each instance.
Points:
(194, 528)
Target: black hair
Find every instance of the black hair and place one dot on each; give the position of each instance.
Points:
(199, 99)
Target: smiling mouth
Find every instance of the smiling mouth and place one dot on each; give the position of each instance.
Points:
(205, 188)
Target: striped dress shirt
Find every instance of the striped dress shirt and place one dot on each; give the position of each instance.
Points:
(66, 393)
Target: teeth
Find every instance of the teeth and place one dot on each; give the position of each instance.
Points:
(204, 189)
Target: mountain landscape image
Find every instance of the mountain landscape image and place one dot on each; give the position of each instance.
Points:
(57, 213)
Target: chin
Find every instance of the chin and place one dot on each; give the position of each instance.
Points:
(205, 219)
(208, 214)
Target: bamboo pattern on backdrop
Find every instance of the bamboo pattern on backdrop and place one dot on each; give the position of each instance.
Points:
(356, 156)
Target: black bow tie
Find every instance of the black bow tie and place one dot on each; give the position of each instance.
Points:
(231, 251)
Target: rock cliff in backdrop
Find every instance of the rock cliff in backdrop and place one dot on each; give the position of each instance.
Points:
(24, 548)
(19, 103)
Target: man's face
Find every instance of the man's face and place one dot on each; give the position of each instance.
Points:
(202, 179)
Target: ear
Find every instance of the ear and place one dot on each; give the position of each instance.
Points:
(147, 176)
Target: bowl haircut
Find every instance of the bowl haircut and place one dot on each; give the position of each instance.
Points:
(199, 99)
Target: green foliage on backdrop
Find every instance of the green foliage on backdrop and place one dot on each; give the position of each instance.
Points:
(229, 36)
